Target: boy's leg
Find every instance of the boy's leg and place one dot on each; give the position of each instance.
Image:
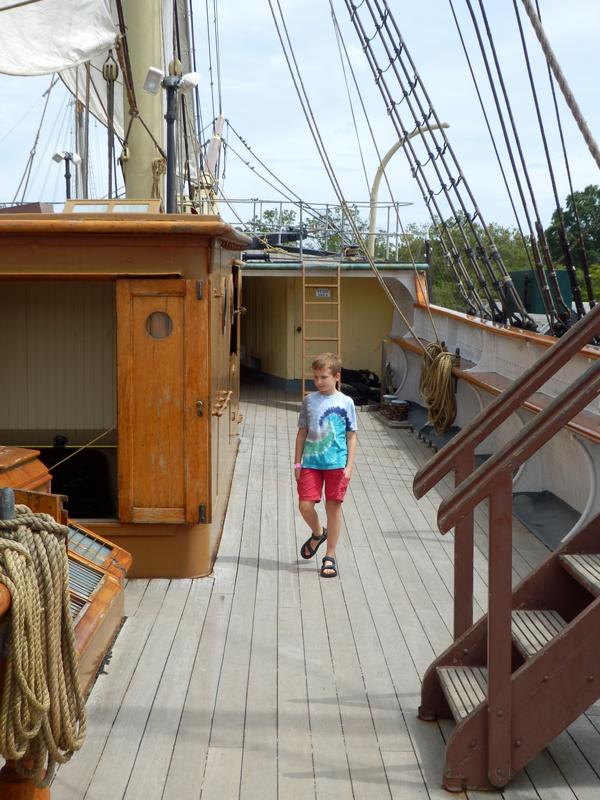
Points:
(310, 516)
(335, 489)
(334, 524)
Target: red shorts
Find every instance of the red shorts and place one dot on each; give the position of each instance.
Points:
(310, 484)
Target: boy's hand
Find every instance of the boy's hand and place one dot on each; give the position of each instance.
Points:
(347, 473)
(297, 471)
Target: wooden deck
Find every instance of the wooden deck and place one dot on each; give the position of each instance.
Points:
(265, 681)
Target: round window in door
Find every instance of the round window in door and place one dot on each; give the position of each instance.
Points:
(159, 325)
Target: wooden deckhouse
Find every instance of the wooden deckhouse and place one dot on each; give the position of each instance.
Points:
(293, 312)
(124, 333)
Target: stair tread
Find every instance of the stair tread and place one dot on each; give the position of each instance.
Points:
(465, 688)
(586, 568)
(532, 629)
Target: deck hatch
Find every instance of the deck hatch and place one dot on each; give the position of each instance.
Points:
(83, 579)
(87, 546)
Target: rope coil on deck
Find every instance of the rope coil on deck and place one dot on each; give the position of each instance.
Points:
(437, 387)
(42, 709)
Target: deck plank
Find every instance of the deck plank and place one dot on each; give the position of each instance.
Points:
(149, 773)
(109, 691)
(265, 681)
(118, 757)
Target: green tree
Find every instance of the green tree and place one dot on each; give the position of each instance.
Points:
(587, 204)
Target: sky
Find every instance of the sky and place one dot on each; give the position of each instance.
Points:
(258, 98)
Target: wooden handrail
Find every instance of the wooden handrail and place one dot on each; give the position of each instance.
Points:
(460, 456)
(493, 479)
(507, 402)
(534, 435)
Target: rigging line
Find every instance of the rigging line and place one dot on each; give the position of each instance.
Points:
(305, 104)
(562, 82)
(338, 37)
(490, 131)
(419, 176)
(566, 249)
(182, 116)
(192, 38)
(217, 53)
(500, 288)
(26, 114)
(196, 150)
(32, 152)
(307, 206)
(19, 5)
(58, 132)
(210, 65)
(417, 79)
(564, 313)
(539, 271)
(124, 60)
(298, 202)
(505, 288)
(379, 157)
(584, 257)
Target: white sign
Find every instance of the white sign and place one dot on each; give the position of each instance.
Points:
(322, 292)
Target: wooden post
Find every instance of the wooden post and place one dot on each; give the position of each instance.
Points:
(12, 785)
(463, 552)
(499, 648)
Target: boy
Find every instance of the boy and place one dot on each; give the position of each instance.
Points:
(325, 448)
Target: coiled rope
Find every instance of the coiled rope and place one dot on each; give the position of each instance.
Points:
(42, 710)
(437, 387)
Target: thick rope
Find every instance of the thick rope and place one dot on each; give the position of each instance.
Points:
(437, 387)
(42, 710)
(562, 81)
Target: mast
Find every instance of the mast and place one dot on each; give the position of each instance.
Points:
(143, 161)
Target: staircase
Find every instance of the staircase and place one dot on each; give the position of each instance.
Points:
(525, 671)
(321, 324)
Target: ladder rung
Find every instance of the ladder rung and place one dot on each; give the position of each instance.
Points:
(320, 303)
(320, 338)
(320, 320)
(320, 285)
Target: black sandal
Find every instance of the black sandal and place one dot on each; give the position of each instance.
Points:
(329, 567)
(312, 550)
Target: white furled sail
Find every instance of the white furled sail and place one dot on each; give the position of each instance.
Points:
(38, 37)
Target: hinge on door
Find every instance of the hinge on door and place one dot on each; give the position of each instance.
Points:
(202, 513)
(199, 290)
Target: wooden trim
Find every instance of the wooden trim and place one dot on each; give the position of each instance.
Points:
(157, 515)
(197, 383)
(494, 328)
(126, 224)
(124, 397)
(585, 423)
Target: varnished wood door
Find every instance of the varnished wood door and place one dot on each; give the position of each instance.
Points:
(162, 373)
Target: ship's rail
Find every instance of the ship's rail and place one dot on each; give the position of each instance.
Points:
(460, 458)
(324, 226)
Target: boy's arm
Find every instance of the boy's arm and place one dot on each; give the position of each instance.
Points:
(351, 445)
(299, 449)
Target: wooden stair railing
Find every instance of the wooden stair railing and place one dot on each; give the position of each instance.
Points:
(506, 716)
(459, 457)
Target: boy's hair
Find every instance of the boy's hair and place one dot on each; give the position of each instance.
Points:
(330, 361)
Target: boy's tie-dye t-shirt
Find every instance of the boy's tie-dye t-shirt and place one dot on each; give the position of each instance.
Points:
(327, 418)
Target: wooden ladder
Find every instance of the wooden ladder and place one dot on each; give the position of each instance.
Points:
(321, 323)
